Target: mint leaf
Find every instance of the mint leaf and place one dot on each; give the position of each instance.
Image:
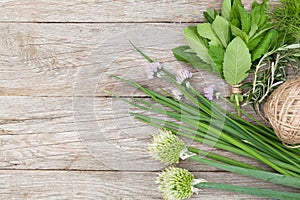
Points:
(253, 30)
(210, 15)
(205, 30)
(235, 22)
(258, 14)
(196, 43)
(221, 28)
(261, 31)
(254, 4)
(226, 9)
(237, 61)
(238, 32)
(216, 54)
(253, 43)
(182, 54)
(266, 44)
(245, 19)
(235, 15)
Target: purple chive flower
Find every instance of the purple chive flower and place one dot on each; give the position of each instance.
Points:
(183, 75)
(177, 94)
(209, 91)
(152, 69)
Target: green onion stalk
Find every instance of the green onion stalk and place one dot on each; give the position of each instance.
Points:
(170, 149)
(179, 184)
(204, 121)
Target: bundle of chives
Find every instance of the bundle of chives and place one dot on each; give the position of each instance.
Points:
(236, 135)
(249, 141)
(169, 149)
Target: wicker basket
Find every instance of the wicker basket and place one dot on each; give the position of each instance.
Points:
(283, 112)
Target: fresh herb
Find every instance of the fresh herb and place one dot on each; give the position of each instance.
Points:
(206, 122)
(179, 184)
(237, 63)
(184, 56)
(272, 70)
(229, 42)
(286, 17)
(169, 149)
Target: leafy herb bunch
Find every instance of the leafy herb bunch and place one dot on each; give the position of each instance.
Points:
(286, 17)
(273, 69)
(204, 121)
(230, 43)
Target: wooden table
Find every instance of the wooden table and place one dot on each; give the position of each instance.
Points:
(61, 135)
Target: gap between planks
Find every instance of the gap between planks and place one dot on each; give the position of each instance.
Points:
(45, 135)
(105, 11)
(78, 59)
(110, 185)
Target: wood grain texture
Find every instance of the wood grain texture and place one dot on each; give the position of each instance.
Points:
(78, 59)
(50, 133)
(40, 185)
(48, 59)
(107, 11)
(61, 135)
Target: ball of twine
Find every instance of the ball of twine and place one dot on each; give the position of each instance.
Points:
(283, 112)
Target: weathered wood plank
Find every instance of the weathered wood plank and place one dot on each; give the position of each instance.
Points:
(58, 61)
(18, 184)
(94, 134)
(107, 11)
(78, 59)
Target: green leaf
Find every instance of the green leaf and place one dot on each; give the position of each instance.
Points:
(181, 54)
(273, 194)
(216, 54)
(205, 30)
(267, 43)
(254, 4)
(261, 31)
(258, 14)
(226, 9)
(221, 28)
(238, 32)
(253, 43)
(237, 61)
(253, 30)
(142, 53)
(235, 22)
(245, 19)
(210, 15)
(235, 15)
(259, 174)
(196, 43)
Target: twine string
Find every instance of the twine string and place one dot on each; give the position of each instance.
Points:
(283, 111)
(236, 89)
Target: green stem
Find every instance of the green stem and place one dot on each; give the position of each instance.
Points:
(251, 137)
(251, 191)
(254, 173)
(220, 158)
(138, 50)
(206, 141)
(237, 101)
(205, 107)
